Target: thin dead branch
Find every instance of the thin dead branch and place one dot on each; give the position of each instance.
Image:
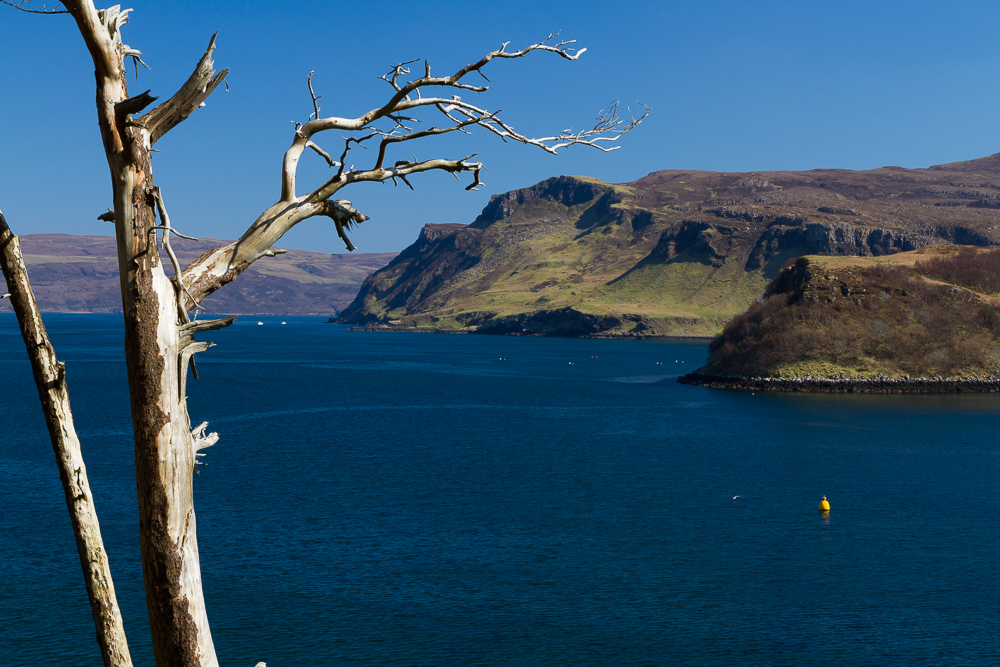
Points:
(43, 10)
(218, 267)
(326, 156)
(167, 230)
(315, 98)
(407, 96)
(135, 104)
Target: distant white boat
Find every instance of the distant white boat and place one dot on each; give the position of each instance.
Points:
(283, 322)
(259, 323)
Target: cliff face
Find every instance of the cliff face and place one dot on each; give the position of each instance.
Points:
(80, 274)
(675, 253)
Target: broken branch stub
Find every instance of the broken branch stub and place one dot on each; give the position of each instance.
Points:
(185, 101)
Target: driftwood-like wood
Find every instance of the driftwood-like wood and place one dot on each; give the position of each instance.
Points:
(185, 101)
(50, 378)
(165, 449)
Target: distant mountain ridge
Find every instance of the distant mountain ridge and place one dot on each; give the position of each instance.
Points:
(80, 274)
(674, 253)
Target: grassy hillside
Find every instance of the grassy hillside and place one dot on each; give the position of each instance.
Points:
(851, 317)
(675, 253)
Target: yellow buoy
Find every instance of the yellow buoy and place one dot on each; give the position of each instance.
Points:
(824, 506)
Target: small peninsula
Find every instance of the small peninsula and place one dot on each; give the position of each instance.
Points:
(916, 322)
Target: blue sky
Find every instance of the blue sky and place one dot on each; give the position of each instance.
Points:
(734, 86)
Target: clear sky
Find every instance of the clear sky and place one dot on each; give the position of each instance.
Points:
(734, 86)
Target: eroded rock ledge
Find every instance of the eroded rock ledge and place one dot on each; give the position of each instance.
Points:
(875, 385)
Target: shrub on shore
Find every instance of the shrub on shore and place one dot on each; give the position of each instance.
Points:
(973, 268)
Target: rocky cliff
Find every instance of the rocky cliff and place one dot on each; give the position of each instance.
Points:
(674, 253)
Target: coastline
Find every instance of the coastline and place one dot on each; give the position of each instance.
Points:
(470, 330)
(875, 385)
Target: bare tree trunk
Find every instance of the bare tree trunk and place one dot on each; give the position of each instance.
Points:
(157, 349)
(158, 334)
(51, 381)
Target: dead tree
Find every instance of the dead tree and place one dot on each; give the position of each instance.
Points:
(159, 331)
(50, 378)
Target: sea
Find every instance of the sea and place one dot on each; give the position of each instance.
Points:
(429, 499)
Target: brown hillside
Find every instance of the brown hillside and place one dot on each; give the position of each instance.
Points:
(80, 274)
(675, 253)
(832, 318)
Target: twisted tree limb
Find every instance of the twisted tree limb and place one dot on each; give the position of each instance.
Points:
(220, 266)
(50, 378)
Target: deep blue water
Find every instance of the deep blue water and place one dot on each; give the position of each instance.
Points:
(411, 499)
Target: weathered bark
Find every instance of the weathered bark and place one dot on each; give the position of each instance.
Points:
(53, 393)
(155, 351)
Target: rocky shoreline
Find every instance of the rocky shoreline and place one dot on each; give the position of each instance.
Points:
(391, 329)
(877, 385)
(474, 330)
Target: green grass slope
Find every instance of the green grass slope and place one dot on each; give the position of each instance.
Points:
(675, 253)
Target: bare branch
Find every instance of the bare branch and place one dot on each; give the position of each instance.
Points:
(391, 139)
(136, 56)
(199, 441)
(315, 99)
(402, 101)
(347, 149)
(344, 217)
(221, 265)
(407, 96)
(393, 75)
(43, 10)
(609, 128)
(174, 232)
(185, 101)
(326, 156)
(176, 278)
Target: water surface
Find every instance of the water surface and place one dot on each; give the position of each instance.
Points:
(421, 499)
